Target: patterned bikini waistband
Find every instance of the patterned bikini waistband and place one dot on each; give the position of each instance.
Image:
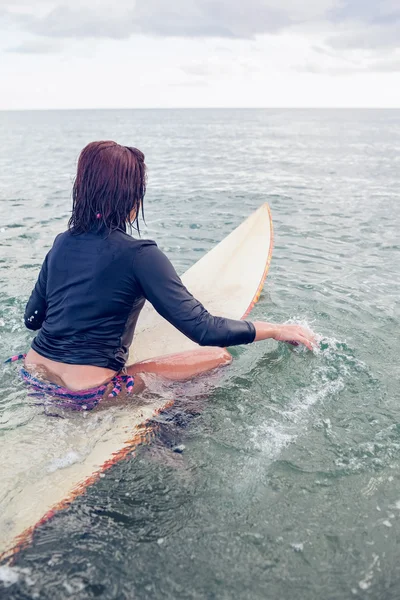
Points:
(117, 381)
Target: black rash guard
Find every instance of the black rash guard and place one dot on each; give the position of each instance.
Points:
(91, 289)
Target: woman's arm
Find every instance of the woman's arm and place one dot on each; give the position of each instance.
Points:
(166, 292)
(35, 311)
(164, 289)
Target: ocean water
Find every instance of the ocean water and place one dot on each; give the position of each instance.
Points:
(288, 480)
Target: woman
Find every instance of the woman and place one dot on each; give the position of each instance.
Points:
(93, 285)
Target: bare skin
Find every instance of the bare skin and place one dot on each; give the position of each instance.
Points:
(175, 367)
(285, 333)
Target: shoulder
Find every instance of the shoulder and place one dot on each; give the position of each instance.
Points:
(61, 237)
(146, 252)
(59, 240)
(134, 245)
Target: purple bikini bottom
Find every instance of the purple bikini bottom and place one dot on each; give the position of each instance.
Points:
(74, 400)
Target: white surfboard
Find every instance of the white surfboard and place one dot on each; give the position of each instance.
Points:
(51, 461)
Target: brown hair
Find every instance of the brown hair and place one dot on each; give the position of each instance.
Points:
(110, 183)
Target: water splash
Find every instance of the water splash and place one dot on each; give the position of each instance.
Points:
(330, 372)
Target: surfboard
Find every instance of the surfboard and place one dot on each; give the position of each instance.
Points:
(228, 280)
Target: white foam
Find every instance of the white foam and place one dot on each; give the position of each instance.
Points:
(67, 460)
(74, 586)
(366, 583)
(8, 575)
(298, 546)
(11, 575)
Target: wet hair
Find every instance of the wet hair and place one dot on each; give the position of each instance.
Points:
(110, 183)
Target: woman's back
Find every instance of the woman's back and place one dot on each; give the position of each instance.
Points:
(87, 300)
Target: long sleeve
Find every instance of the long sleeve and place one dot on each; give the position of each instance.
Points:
(166, 292)
(35, 311)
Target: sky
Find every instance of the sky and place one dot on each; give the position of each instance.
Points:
(199, 53)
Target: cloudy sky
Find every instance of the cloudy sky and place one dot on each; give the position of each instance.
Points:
(178, 53)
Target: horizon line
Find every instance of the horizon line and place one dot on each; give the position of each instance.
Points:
(204, 108)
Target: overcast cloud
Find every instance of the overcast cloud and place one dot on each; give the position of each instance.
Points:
(376, 22)
(191, 42)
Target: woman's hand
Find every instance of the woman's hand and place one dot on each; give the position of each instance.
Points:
(292, 334)
(295, 334)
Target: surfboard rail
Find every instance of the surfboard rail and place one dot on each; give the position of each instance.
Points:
(267, 265)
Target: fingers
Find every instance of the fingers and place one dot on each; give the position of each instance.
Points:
(305, 337)
(295, 335)
(306, 342)
(301, 339)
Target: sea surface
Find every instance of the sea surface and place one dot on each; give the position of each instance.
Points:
(287, 480)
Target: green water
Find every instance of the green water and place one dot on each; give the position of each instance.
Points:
(289, 484)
